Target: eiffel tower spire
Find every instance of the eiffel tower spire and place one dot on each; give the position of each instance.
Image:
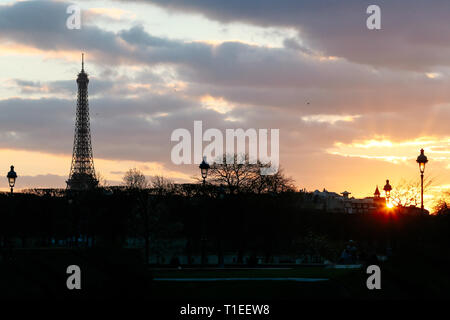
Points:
(82, 172)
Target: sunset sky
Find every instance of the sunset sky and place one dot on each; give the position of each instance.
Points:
(354, 106)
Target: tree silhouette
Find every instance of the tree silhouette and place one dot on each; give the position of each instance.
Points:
(407, 193)
(236, 173)
(135, 179)
(442, 205)
(102, 182)
(162, 185)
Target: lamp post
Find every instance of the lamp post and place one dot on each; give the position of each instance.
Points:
(387, 188)
(12, 176)
(220, 233)
(204, 167)
(421, 160)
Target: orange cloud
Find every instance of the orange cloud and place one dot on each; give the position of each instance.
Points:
(10, 48)
(33, 163)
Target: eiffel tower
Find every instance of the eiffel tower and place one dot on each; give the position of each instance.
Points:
(82, 172)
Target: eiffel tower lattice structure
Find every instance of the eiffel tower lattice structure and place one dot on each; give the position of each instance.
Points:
(82, 173)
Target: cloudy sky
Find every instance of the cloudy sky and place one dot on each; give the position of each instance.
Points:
(354, 106)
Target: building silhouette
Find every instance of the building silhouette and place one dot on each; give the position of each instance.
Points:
(333, 202)
(82, 173)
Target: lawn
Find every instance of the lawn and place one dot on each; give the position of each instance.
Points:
(341, 283)
(35, 273)
(299, 272)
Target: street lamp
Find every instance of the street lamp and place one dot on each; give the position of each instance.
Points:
(12, 176)
(387, 188)
(204, 167)
(421, 160)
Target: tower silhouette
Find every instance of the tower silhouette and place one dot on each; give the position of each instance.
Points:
(82, 172)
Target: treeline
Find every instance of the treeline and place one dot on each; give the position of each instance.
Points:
(258, 224)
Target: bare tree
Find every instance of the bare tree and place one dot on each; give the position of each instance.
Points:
(275, 183)
(239, 175)
(235, 172)
(407, 193)
(442, 205)
(162, 185)
(102, 182)
(135, 179)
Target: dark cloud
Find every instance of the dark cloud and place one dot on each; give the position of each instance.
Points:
(230, 63)
(42, 24)
(415, 34)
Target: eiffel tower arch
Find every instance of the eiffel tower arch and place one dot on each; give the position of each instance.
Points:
(82, 173)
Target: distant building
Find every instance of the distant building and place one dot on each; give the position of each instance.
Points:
(345, 194)
(366, 205)
(333, 202)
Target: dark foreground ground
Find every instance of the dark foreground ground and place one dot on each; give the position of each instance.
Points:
(41, 274)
